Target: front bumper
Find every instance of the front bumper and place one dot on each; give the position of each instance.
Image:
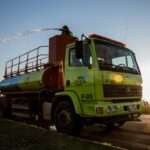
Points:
(109, 109)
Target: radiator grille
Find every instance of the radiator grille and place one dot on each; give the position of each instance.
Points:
(122, 91)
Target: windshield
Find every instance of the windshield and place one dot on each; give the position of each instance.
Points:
(116, 58)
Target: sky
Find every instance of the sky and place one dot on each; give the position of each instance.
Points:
(124, 20)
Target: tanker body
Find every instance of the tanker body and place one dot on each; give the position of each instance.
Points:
(31, 81)
(95, 80)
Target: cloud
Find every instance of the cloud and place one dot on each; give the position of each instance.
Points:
(8, 39)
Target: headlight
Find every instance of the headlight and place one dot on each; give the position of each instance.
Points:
(99, 110)
(112, 108)
(117, 78)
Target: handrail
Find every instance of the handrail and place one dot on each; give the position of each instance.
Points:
(32, 60)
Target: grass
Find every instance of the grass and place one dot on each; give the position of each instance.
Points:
(20, 136)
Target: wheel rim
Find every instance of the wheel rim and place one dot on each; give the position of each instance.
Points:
(64, 118)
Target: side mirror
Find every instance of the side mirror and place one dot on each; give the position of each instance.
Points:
(79, 49)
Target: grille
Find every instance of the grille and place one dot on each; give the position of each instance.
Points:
(122, 91)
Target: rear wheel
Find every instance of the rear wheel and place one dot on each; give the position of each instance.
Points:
(5, 108)
(65, 118)
(1, 113)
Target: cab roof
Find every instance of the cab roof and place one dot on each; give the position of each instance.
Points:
(107, 40)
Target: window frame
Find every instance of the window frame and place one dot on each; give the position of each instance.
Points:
(69, 58)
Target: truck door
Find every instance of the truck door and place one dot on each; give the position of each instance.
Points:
(79, 74)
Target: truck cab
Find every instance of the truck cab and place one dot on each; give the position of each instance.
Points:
(105, 78)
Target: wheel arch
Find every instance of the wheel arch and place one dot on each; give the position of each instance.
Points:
(69, 96)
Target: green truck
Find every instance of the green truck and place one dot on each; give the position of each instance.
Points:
(92, 80)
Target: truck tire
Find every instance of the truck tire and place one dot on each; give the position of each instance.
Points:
(1, 113)
(5, 108)
(65, 118)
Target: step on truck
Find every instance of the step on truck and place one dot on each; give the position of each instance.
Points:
(73, 82)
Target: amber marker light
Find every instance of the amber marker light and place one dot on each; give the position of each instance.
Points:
(117, 78)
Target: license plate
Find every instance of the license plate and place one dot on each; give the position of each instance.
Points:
(135, 115)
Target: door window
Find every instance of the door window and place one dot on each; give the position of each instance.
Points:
(85, 61)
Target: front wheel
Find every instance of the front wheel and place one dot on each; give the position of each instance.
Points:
(65, 118)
